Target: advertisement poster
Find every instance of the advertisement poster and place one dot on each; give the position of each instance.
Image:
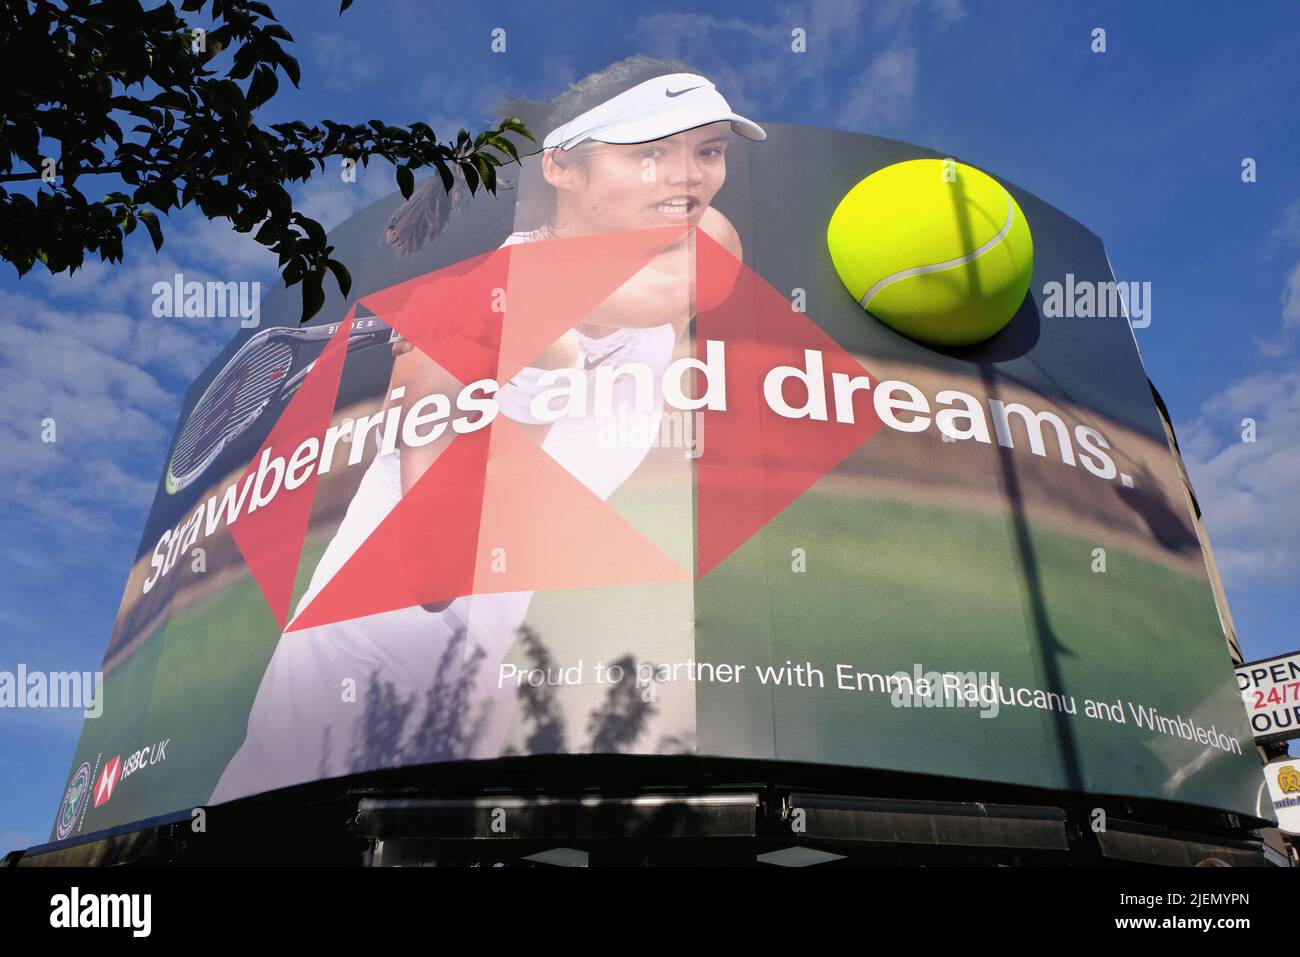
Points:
(615, 461)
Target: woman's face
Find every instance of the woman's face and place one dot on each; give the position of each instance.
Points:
(607, 187)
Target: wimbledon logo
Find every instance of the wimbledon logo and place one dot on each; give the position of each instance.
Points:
(73, 801)
(935, 249)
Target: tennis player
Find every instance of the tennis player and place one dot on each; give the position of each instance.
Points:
(604, 133)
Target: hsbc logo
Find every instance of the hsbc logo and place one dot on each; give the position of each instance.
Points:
(116, 770)
(145, 757)
(108, 779)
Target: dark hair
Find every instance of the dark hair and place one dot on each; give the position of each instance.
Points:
(535, 200)
(421, 219)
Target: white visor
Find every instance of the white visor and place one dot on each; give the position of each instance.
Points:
(652, 110)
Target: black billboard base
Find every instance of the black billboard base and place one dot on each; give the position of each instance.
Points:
(642, 811)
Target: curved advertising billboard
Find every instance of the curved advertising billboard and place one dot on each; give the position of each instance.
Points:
(754, 441)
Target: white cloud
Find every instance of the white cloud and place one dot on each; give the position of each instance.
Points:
(1247, 490)
(213, 251)
(883, 93)
(330, 201)
(228, 253)
(777, 73)
(839, 18)
(950, 11)
(1290, 318)
(1291, 300)
(558, 73)
(85, 349)
(201, 250)
(892, 13)
(455, 104)
(85, 372)
(677, 31)
(89, 354)
(1290, 224)
(344, 62)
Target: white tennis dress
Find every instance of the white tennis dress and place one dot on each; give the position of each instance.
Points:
(392, 688)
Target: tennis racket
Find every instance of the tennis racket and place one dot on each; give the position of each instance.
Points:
(266, 371)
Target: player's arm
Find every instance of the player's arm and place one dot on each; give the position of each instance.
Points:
(420, 376)
(663, 291)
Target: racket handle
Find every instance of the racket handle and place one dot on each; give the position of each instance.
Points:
(356, 343)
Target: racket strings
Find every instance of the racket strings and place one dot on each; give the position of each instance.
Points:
(235, 398)
(243, 390)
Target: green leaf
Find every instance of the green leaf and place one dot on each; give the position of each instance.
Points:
(448, 181)
(471, 175)
(172, 99)
(245, 59)
(405, 181)
(516, 125)
(313, 296)
(290, 67)
(262, 88)
(341, 275)
(505, 146)
(150, 220)
(315, 231)
(266, 232)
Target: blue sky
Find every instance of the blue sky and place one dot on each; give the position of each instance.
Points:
(1143, 144)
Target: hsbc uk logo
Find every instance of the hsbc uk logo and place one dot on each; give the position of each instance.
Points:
(146, 757)
(116, 770)
(108, 779)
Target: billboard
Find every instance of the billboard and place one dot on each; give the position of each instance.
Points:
(1270, 690)
(614, 461)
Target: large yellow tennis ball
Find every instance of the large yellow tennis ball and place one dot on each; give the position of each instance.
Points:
(935, 249)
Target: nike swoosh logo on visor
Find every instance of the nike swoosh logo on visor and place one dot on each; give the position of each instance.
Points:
(588, 364)
(680, 92)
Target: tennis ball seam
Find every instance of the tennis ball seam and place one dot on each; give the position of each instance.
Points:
(974, 254)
